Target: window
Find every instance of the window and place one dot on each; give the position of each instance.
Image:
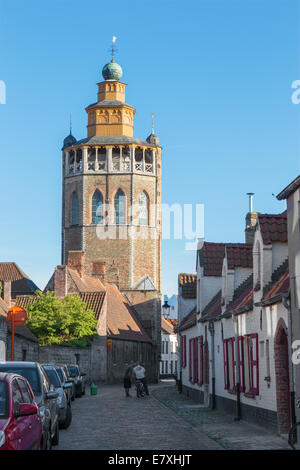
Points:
(229, 364)
(167, 347)
(25, 392)
(24, 354)
(17, 396)
(97, 207)
(247, 362)
(74, 209)
(120, 207)
(143, 209)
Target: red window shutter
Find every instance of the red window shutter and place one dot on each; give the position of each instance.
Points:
(241, 363)
(195, 360)
(181, 351)
(190, 361)
(254, 371)
(233, 362)
(226, 371)
(200, 360)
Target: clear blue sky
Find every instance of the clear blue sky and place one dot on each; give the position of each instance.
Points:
(216, 73)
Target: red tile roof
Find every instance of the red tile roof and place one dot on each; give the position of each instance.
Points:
(239, 255)
(273, 227)
(85, 283)
(167, 325)
(189, 321)
(210, 257)
(242, 298)
(122, 322)
(188, 284)
(93, 301)
(213, 309)
(21, 284)
(279, 285)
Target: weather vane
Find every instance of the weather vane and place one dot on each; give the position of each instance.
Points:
(152, 123)
(70, 123)
(113, 48)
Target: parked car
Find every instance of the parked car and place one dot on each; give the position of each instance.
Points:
(65, 413)
(45, 397)
(20, 423)
(70, 379)
(78, 378)
(67, 385)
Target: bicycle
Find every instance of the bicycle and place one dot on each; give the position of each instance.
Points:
(140, 389)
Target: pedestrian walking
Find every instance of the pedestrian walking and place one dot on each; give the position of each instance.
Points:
(127, 378)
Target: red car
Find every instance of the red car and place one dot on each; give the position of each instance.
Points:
(20, 422)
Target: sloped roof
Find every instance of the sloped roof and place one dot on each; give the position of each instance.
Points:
(285, 193)
(188, 284)
(85, 283)
(20, 281)
(189, 321)
(94, 301)
(239, 255)
(122, 322)
(213, 309)
(167, 324)
(242, 298)
(279, 285)
(25, 300)
(210, 257)
(273, 227)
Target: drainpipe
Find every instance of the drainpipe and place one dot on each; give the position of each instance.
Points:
(291, 369)
(237, 368)
(211, 328)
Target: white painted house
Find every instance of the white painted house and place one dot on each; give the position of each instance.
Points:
(234, 351)
(168, 362)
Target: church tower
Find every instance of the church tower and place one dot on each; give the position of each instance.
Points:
(111, 221)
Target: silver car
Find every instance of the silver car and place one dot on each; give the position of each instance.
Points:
(65, 413)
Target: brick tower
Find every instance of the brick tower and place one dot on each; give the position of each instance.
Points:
(111, 222)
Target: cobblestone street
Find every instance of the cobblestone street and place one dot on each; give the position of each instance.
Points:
(164, 421)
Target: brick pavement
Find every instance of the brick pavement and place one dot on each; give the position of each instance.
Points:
(220, 426)
(166, 420)
(110, 421)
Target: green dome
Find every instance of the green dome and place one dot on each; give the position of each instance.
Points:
(112, 71)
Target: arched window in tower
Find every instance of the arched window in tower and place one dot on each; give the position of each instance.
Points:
(116, 158)
(97, 208)
(138, 159)
(102, 159)
(91, 158)
(78, 166)
(143, 209)
(120, 207)
(74, 209)
(126, 159)
(72, 161)
(148, 161)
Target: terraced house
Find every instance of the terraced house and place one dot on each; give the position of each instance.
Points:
(234, 347)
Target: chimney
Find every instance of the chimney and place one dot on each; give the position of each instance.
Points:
(60, 281)
(6, 285)
(75, 261)
(99, 270)
(251, 221)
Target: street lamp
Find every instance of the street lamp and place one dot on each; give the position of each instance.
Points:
(166, 309)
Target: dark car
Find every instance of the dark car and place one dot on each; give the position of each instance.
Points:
(67, 385)
(45, 397)
(78, 378)
(65, 413)
(69, 379)
(20, 423)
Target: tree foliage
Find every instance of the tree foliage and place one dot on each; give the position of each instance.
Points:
(58, 321)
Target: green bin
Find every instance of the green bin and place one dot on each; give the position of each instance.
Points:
(94, 389)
